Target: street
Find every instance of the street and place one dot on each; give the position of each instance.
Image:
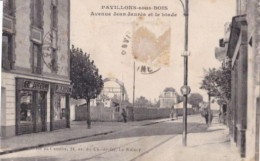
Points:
(131, 143)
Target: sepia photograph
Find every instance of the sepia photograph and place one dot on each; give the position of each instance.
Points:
(130, 80)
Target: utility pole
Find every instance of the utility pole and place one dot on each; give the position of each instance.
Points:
(209, 94)
(185, 89)
(133, 94)
(209, 110)
(134, 87)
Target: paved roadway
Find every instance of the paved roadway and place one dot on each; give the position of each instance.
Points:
(133, 143)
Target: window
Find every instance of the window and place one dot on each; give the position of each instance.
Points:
(54, 17)
(54, 63)
(36, 59)
(8, 7)
(7, 52)
(26, 110)
(37, 13)
(59, 107)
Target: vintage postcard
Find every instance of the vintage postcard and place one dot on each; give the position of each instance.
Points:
(130, 80)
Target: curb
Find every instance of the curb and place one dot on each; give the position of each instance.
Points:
(52, 143)
(71, 139)
(152, 123)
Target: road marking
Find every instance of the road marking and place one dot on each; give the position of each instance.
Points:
(95, 156)
(125, 130)
(156, 146)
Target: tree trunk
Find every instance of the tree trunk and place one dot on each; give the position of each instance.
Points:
(88, 114)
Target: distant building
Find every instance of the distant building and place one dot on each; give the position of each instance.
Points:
(35, 87)
(168, 98)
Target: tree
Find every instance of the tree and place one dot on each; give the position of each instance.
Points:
(85, 79)
(157, 103)
(218, 83)
(142, 102)
(195, 99)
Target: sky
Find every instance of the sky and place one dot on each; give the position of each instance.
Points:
(102, 37)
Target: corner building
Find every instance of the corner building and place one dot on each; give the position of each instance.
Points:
(35, 87)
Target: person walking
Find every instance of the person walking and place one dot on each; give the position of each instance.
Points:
(124, 115)
(210, 116)
(172, 112)
(219, 116)
(206, 115)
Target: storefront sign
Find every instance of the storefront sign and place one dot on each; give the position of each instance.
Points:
(33, 85)
(63, 88)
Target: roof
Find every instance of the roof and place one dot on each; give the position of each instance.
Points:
(169, 89)
(237, 21)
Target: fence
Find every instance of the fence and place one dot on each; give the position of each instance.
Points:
(101, 113)
(156, 113)
(97, 113)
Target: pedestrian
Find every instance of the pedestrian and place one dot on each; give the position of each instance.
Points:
(219, 116)
(210, 116)
(206, 115)
(176, 114)
(172, 112)
(124, 115)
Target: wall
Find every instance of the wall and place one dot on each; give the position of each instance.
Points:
(150, 113)
(100, 113)
(253, 20)
(23, 41)
(8, 82)
(167, 102)
(97, 113)
(22, 35)
(63, 37)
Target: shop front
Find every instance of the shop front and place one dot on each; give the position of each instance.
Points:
(39, 109)
(60, 106)
(31, 106)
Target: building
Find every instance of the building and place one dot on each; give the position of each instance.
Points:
(168, 98)
(243, 52)
(221, 51)
(35, 87)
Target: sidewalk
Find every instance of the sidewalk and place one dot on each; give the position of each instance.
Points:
(210, 145)
(77, 131)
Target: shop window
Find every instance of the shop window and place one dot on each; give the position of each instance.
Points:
(37, 13)
(26, 110)
(59, 107)
(36, 59)
(7, 52)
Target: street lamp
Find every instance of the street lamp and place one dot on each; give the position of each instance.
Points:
(185, 89)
